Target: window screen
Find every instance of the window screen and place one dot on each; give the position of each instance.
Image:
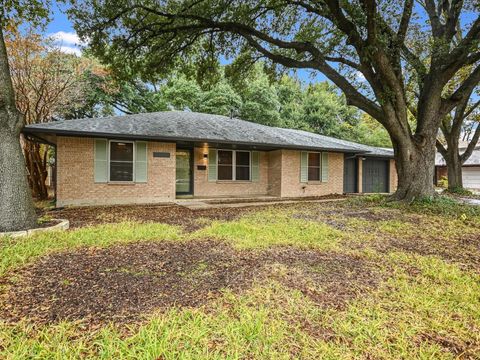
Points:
(313, 166)
(242, 166)
(225, 165)
(121, 161)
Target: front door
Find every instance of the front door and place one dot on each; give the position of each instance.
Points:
(350, 173)
(184, 178)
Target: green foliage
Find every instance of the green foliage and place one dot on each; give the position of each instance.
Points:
(35, 12)
(18, 251)
(458, 191)
(221, 100)
(260, 102)
(443, 182)
(437, 205)
(181, 93)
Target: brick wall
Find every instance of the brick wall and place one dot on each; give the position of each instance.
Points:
(76, 186)
(204, 188)
(279, 172)
(290, 185)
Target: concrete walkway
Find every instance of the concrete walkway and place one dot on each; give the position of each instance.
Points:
(470, 201)
(200, 204)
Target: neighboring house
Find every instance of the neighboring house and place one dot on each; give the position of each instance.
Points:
(470, 169)
(158, 157)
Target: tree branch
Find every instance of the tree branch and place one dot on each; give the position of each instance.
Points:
(471, 145)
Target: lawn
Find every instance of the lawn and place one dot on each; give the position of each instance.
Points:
(362, 278)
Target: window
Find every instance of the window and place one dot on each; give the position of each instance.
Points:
(233, 165)
(121, 161)
(225, 165)
(242, 165)
(314, 166)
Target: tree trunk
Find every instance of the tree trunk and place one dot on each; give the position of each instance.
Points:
(454, 170)
(415, 169)
(16, 204)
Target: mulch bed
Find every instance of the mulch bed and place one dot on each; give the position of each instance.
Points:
(169, 214)
(126, 282)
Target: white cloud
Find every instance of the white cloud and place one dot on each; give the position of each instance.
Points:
(70, 38)
(70, 50)
(68, 42)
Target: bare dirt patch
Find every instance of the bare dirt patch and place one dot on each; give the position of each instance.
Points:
(169, 214)
(124, 283)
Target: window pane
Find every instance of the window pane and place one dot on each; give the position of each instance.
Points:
(225, 172)
(225, 157)
(243, 158)
(313, 159)
(121, 171)
(313, 173)
(242, 172)
(120, 151)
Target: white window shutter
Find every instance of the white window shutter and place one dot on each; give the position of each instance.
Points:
(212, 165)
(304, 166)
(324, 166)
(141, 168)
(100, 161)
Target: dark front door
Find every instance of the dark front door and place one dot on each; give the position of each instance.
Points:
(375, 175)
(350, 174)
(184, 172)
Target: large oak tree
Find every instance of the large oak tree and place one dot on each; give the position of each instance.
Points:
(16, 205)
(337, 38)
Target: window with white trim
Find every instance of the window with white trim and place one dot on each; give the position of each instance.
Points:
(121, 161)
(233, 165)
(314, 166)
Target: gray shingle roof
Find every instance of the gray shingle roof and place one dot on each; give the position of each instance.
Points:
(474, 159)
(199, 127)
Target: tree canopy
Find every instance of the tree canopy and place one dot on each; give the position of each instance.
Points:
(341, 39)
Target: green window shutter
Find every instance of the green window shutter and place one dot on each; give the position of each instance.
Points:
(141, 161)
(304, 166)
(255, 165)
(212, 165)
(324, 166)
(101, 161)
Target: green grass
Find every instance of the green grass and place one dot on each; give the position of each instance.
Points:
(409, 316)
(18, 251)
(274, 227)
(426, 307)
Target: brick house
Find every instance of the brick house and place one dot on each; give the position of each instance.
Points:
(158, 157)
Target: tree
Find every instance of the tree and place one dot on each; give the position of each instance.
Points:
(221, 99)
(181, 93)
(465, 114)
(291, 96)
(341, 39)
(46, 81)
(370, 132)
(327, 113)
(99, 91)
(260, 100)
(16, 204)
